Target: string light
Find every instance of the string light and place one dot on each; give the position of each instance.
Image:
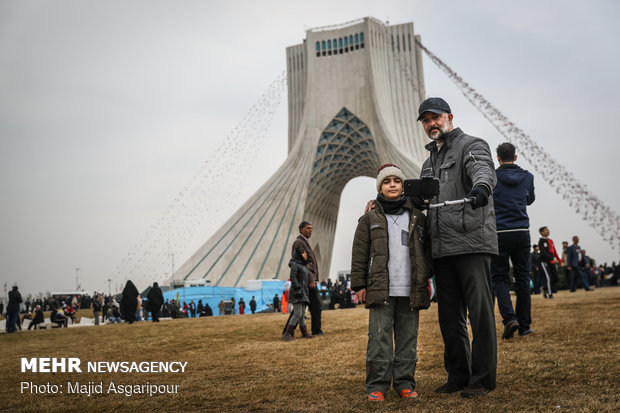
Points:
(589, 206)
(199, 205)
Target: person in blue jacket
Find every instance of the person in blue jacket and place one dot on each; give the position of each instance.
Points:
(512, 194)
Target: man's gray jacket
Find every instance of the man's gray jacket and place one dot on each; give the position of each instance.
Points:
(462, 162)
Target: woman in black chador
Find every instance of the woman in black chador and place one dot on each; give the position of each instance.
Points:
(129, 302)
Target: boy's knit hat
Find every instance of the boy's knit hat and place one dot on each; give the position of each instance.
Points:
(388, 170)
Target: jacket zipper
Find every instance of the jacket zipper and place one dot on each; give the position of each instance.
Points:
(388, 258)
(413, 220)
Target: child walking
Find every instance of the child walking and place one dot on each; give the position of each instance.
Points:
(298, 295)
(390, 269)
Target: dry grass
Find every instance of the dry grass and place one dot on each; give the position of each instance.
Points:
(240, 363)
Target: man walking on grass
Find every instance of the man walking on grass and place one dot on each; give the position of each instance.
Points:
(512, 194)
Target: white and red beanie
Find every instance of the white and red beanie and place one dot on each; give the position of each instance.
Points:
(388, 170)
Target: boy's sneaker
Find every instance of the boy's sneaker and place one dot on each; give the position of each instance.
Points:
(375, 396)
(408, 393)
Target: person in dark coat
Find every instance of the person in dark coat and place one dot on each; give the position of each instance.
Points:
(58, 317)
(155, 299)
(253, 305)
(462, 240)
(37, 319)
(208, 310)
(276, 303)
(299, 294)
(129, 302)
(12, 309)
(173, 307)
(301, 242)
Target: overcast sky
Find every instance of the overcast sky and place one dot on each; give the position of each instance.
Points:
(108, 109)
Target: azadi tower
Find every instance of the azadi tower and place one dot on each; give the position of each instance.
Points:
(353, 94)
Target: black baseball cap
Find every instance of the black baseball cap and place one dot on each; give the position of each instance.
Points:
(435, 105)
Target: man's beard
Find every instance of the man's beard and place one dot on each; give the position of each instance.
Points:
(440, 135)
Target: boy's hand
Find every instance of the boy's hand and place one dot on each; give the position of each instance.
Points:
(361, 294)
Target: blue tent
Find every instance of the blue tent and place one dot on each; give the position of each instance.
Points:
(263, 292)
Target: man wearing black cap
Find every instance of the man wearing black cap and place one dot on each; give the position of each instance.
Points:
(463, 239)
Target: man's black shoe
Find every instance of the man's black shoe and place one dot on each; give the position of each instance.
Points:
(509, 329)
(474, 390)
(526, 332)
(449, 388)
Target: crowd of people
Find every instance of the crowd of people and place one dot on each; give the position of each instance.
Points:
(572, 270)
(544, 277)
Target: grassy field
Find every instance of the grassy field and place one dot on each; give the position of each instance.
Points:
(240, 363)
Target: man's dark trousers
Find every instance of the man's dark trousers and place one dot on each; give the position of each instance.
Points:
(315, 310)
(538, 280)
(464, 283)
(578, 274)
(513, 246)
(12, 319)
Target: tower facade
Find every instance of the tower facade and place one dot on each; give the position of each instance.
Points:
(353, 94)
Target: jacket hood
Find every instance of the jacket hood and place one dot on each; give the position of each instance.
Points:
(511, 175)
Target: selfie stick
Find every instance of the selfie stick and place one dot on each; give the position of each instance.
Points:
(458, 201)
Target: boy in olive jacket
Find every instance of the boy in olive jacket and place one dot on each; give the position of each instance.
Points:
(390, 268)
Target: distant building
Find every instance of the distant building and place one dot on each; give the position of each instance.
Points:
(344, 277)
